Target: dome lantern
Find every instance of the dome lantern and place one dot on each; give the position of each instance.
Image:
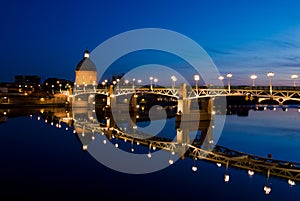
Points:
(86, 54)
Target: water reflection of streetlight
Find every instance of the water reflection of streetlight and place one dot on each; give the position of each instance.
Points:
(194, 167)
(132, 149)
(291, 182)
(226, 176)
(267, 188)
(253, 78)
(270, 75)
(250, 173)
(294, 77)
(149, 153)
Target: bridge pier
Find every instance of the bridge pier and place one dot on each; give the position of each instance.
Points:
(188, 119)
(133, 111)
(183, 104)
(111, 99)
(182, 137)
(184, 111)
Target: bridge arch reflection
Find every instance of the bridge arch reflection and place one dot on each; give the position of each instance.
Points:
(221, 156)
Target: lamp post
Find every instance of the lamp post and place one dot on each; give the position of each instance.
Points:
(151, 78)
(294, 77)
(229, 75)
(221, 78)
(94, 85)
(118, 84)
(270, 75)
(133, 83)
(84, 86)
(155, 80)
(174, 79)
(60, 87)
(74, 87)
(196, 78)
(139, 81)
(253, 78)
(126, 82)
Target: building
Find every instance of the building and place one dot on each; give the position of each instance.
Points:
(86, 72)
(56, 85)
(29, 80)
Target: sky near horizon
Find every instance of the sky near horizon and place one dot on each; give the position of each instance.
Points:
(47, 38)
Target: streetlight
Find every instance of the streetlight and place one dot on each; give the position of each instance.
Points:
(151, 78)
(60, 88)
(174, 79)
(126, 82)
(253, 78)
(229, 75)
(221, 78)
(139, 81)
(118, 83)
(155, 81)
(294, 77)
(196, 78)
(105, 81)
(270, 75)
(133, 79)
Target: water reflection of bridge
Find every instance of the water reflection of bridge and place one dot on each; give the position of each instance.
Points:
(198, 150)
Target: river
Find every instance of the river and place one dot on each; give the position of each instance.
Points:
(40, 161)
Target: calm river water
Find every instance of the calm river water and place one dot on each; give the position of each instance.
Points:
(42, 162)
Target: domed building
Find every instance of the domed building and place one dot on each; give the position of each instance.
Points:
(86, 71)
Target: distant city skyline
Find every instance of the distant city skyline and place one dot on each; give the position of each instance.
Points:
(242, 37)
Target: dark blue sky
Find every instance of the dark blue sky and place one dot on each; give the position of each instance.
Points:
(48, 38)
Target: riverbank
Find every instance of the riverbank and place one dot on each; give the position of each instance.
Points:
(21, 100)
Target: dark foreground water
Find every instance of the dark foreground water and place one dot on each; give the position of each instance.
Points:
(42, 162)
